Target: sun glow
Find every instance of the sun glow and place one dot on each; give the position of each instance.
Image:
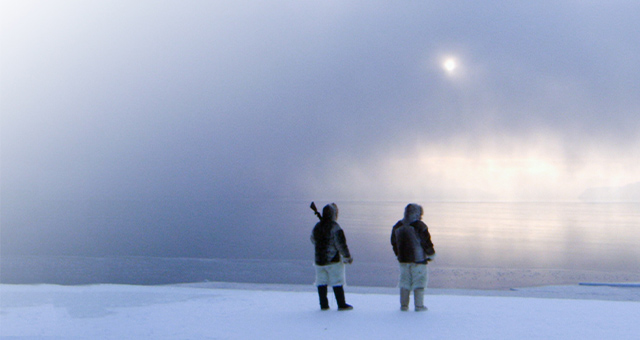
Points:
(450, 65)
(509, 169)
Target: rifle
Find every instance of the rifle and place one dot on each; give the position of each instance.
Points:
(315, 210)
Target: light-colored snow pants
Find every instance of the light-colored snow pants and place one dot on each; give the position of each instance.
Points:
(413, 276)
(330, 275)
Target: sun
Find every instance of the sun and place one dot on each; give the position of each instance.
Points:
(450, 65)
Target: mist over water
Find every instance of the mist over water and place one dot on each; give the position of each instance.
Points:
(479, 245)
(568, 236)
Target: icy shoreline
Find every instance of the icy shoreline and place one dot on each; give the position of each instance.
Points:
(73, 270)
(583, 291)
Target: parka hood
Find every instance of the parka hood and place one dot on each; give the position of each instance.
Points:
(413, 212)
(330, 212)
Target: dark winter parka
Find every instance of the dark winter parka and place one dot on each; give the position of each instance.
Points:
(328, 238)
(410, 237)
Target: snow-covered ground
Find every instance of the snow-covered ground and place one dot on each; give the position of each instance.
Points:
(255, 311)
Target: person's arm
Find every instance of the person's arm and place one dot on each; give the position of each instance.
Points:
(394, 241)
(425, 240)
(341, 244)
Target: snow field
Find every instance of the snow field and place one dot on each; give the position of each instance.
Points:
(162, 312)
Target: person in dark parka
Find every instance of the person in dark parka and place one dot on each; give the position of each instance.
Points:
(413, 248)
(331, 253)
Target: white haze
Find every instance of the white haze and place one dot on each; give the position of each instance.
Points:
(199, 99)
(226, 101)
(499, 168)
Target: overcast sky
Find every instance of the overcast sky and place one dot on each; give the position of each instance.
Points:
(300, 100)
(297, 99)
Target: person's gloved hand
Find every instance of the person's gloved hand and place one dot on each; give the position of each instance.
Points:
(347, 260)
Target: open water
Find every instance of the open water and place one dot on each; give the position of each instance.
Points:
(479, 245)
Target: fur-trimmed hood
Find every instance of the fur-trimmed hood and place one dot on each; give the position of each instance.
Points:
(330, 212)
(413, 212)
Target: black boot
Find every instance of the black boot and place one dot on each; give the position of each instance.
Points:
(339, 293)
(322, 293)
